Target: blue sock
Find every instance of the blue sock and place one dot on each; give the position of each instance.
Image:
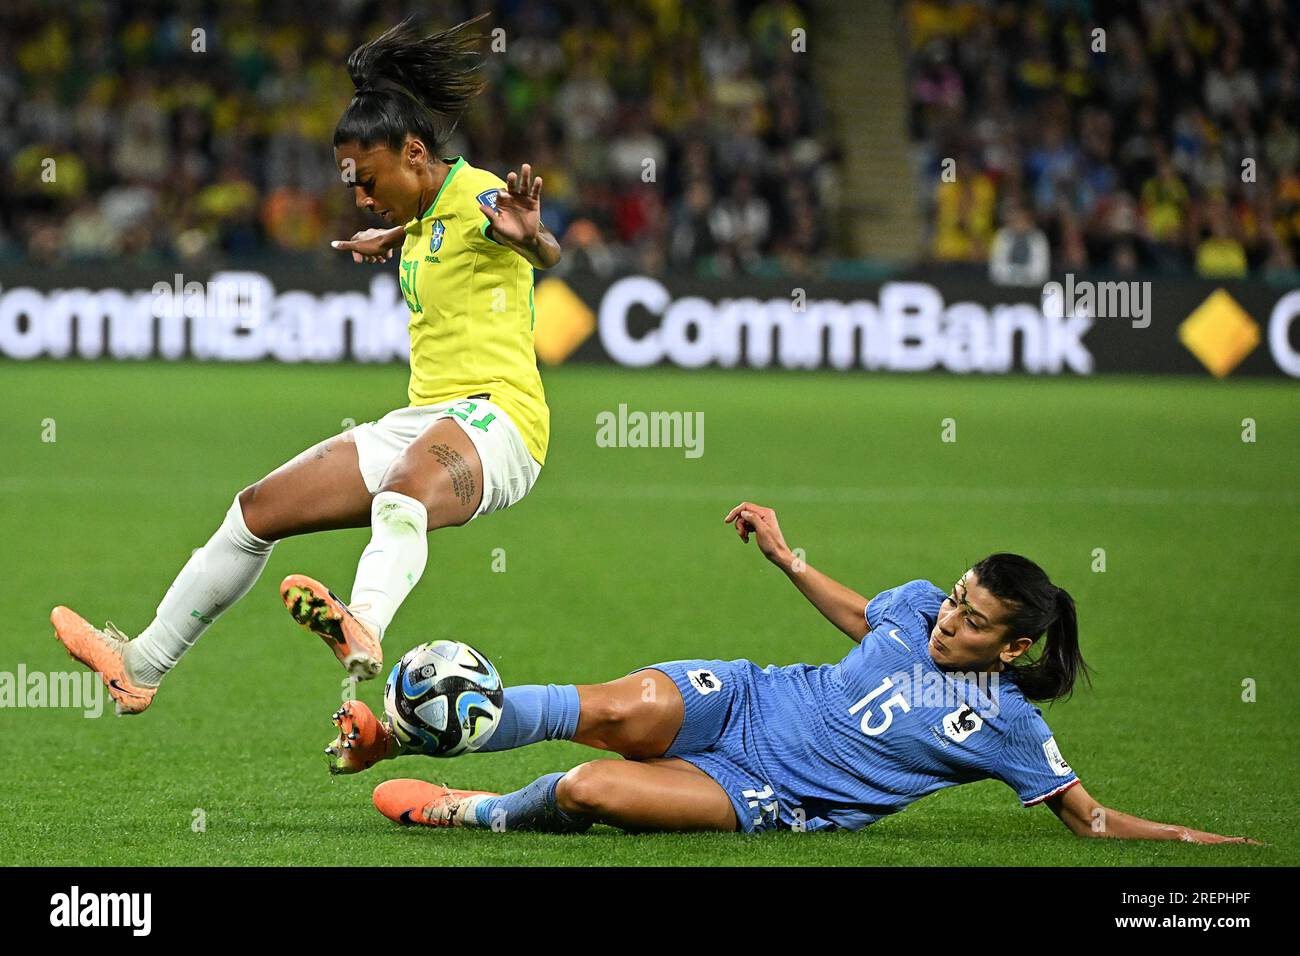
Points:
(532, 808)
(533, 712)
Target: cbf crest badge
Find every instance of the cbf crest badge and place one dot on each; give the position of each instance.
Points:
(435, 241)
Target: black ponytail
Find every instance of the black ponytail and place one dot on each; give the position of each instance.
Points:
(1037, 606)
(408, 84)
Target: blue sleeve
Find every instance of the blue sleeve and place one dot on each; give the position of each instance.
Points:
(897, 604)
(1030, 763)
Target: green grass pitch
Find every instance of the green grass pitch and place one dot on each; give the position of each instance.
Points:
(619, 558)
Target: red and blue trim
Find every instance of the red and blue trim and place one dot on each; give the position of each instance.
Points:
(1061, 789)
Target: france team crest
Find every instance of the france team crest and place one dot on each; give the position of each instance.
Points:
(962, 722)
(435, 241)
(706, 682)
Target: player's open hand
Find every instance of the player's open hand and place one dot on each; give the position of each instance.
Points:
(362, 742)
(518, 216)
(371, 245)
(761, 522)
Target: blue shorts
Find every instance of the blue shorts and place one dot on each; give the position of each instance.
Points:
(716, 695)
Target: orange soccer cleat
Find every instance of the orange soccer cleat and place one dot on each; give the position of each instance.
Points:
(363, 739)
(101, 651)
(316, 608)
(412, 802)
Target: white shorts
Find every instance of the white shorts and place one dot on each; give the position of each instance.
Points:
(509, 471)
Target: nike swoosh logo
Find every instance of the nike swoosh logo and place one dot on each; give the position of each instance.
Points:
(118, 687)
(894, 634)
(346, 609)
(405, 819)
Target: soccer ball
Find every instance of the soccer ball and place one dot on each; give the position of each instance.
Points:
(443, 699)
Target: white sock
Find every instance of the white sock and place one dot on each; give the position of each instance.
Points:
(393, 560)
(215, 577)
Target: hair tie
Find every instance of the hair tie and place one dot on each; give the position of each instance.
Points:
(381, 84)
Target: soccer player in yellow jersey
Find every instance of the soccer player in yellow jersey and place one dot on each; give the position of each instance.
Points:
(473, 437)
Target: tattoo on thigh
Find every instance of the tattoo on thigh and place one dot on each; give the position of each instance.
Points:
(462, 477)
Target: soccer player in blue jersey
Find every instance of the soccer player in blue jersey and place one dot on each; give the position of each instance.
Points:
(935, 693)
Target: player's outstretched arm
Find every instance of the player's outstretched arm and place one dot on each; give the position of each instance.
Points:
(1085, 817)
(517, 219)
(372, 245)
(841, 605)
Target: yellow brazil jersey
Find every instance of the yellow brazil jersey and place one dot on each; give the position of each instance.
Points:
(471, 304)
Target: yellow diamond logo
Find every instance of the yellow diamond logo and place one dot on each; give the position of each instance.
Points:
(1220, 333)
(563, 321)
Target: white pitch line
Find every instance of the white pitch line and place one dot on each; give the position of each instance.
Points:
(772, 495)
(867, 495)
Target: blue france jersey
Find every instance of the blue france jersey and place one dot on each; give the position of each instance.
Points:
(846, 744)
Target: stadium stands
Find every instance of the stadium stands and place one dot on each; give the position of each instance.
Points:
(172, 145)
(1165, 143)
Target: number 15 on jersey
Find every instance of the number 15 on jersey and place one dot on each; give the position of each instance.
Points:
(887, 708)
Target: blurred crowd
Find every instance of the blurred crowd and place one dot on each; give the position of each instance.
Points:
(670, 135)
(1153, 135)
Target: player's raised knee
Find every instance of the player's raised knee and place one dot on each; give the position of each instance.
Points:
(407, 486)
(256, 520)
(403, 503)
(586, 789)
